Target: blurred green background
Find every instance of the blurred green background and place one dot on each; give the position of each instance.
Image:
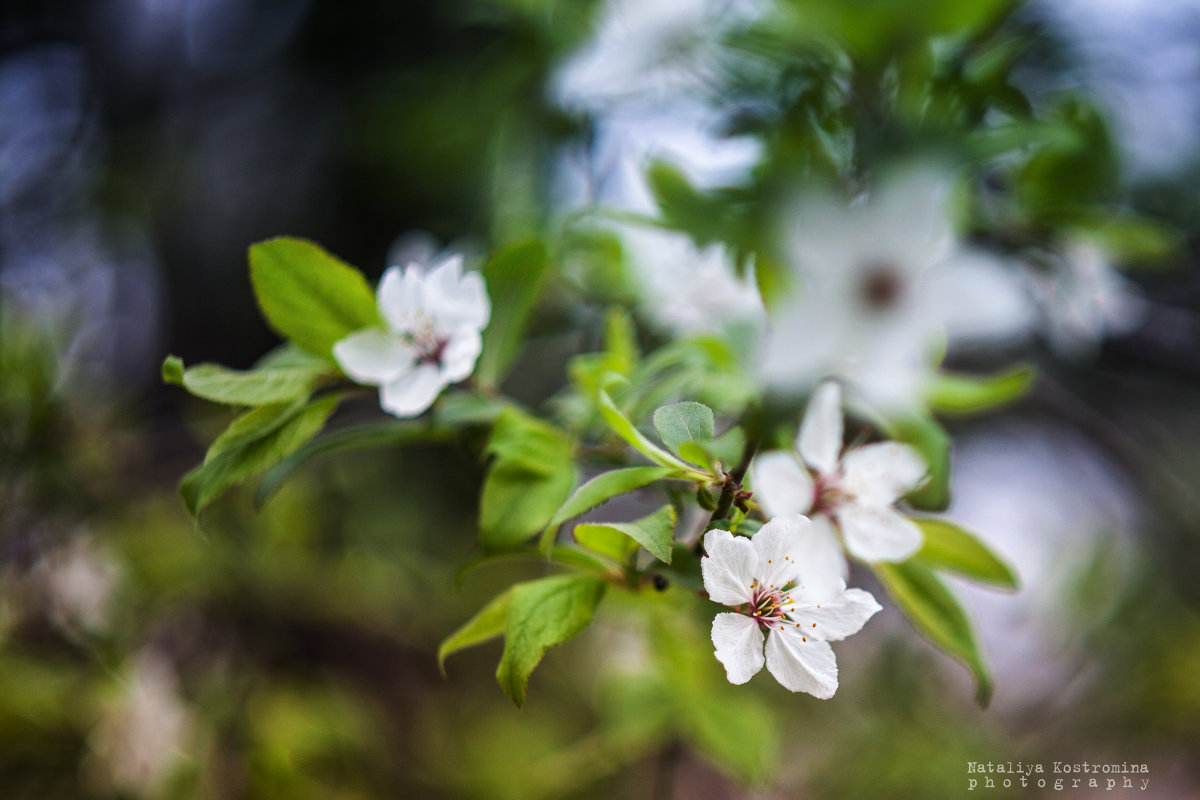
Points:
(289, 652)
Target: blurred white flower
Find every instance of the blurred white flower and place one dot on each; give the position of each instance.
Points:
(649, 49)
(766, 579)
(687, 289)
(78, 580)
(140, 741)
(432, 339)
(856, 489)
(882, 280)
(1084, 301)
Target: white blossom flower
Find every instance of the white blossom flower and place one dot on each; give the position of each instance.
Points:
(766, 579)
(432, 338)
(1085, 300)
(688, 289)
(856, 490)
(881, 281)
(140, 741)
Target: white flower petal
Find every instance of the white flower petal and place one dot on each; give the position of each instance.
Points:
(838, 617)
(739, 646)
(878, 533)
(820, 438)
(779, 548)
(729, 568)
(978, 297)
(458, 359)
(413, 392)
(372, 356)
(879, 474)
(823, 567)
(455, 299)
(401, 296)
(802, 666)
(781, 485)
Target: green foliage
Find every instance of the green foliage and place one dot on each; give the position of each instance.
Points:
(253, 443)
(601, 489)
(541, 614)
(515, 277)
(308, 295)
(256, 387)
(683, 422)
(530, 477)
(655, 532)
(948, 547)
(955, 395)
(487, 624)
(937, 614)
(627, 431)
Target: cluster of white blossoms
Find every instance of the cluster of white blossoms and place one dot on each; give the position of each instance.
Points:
(777, 591)
(433, 319)
(852, 492)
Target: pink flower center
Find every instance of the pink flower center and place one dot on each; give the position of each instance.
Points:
(769, 606)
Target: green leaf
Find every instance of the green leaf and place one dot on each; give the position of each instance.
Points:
(309, 296)
(253, 443)
(954, 395)
(514, 277)
(541, 614)
(517, 503)
(522, 440)
(725, 450)
(487, 624)
(683, 422)
(599, 490)
(949, 547)
(936, 613)
(606, 541)
(256, 387)
(655, 532)
(461, 409)
(371, 434)
(620, 339)
(626, 430)
(531, 476)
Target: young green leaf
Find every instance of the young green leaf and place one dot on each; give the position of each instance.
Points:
(525, 441)
(936, 613)
(256, 387)
(606, 541)
(253, 443)
(517, 503)
(514, 277)
(487, 624)
(949, 547)
(541, 614)
(655, 532)
(954, 395)
(309, 296)
(599, 490)
(683, 422)
(627, 431)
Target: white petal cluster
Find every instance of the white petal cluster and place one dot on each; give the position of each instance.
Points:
(853, 492)
(766, 578)
(880, 282)
(432, 337)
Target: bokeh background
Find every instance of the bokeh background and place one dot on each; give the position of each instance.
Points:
(289, 653)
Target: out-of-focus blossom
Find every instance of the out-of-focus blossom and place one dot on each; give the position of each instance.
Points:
(78, 580)
(432, 337)
(141, 740)
(766, 578)
(649, 50)
(1084, 301)
(857, 490)
(881, 280)
(689, 289)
